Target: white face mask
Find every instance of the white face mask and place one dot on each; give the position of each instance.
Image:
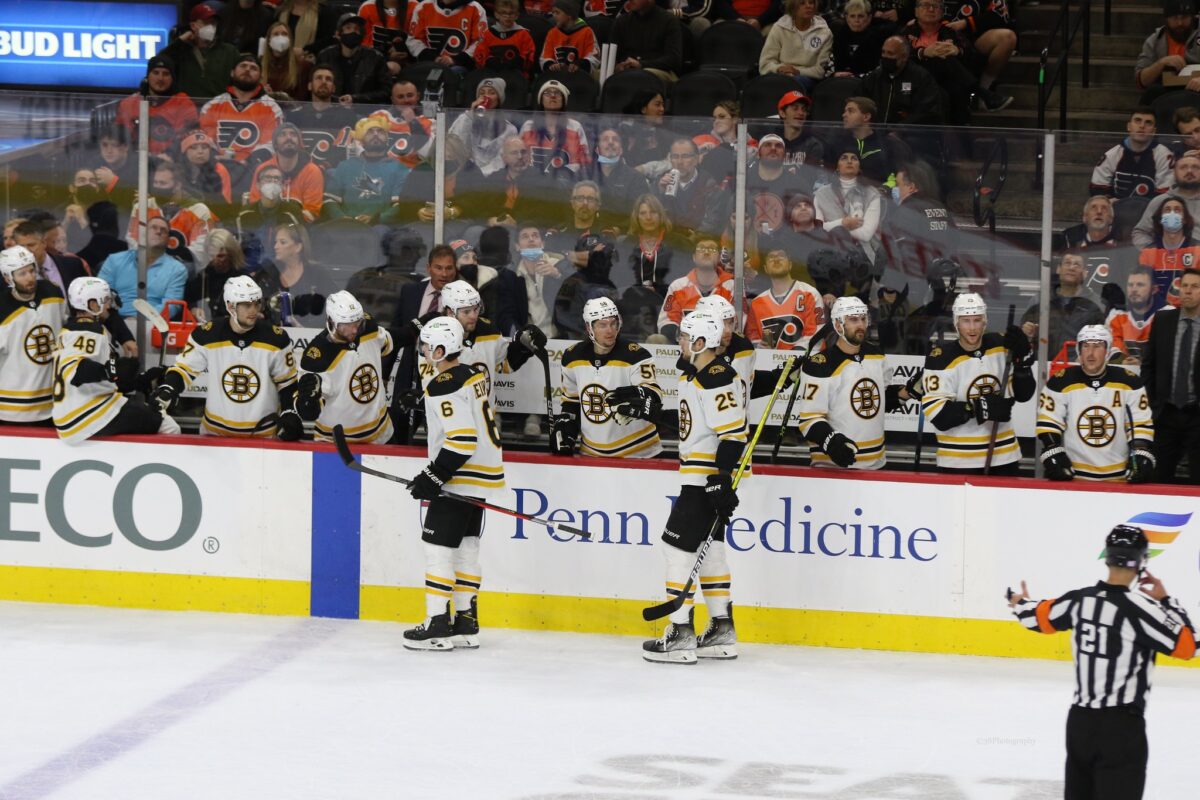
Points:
(279, 43)
(207, 33)
(271, 191)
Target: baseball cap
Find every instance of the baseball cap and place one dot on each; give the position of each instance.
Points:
(1175, 8)
(243, 58)
(201, 12)
(351, 16)
(771, 137)
(794, 97)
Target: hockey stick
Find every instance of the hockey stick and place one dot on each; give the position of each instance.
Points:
(544, 357)
(1130, 461)
(343, 448)
(941, 340)
(987, 461)
(675, 603)
(148, 311)
(817, 337)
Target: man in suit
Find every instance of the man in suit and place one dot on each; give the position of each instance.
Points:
(1172, 375)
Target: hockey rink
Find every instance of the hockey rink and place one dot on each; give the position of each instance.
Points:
(109, 703)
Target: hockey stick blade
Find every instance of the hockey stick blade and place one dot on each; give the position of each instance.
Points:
(148, 311)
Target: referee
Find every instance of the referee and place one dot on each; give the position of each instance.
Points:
(1117, 636)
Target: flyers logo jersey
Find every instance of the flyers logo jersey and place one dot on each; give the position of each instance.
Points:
(786, 322)
(447, 31)
(241, 128)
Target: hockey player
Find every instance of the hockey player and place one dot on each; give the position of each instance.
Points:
(251, 369)
(610, 393)
(712, 435)
(466, 458)
(963, 396)
(735, 348)
(32, 312)
(1084, 416)
(89, 378)
(845, 395)
(341, 374)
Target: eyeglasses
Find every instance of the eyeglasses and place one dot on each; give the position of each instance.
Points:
(707, 250)
(585, 199)
(681, 156)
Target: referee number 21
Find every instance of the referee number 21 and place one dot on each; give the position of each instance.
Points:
(1093, 639)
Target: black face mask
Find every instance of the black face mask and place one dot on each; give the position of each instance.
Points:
(889, 66)
(86, 195)
(351, 40)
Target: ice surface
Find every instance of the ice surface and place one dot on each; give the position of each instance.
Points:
(108, 703)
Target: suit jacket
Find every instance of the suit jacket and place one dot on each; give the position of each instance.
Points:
(1158, 358)
(406, 350)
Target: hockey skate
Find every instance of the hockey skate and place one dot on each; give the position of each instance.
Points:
(677, 645)
(466, 628)
(435, 633)
(719, 639)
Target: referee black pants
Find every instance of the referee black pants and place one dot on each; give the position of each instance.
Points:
(1106, 754)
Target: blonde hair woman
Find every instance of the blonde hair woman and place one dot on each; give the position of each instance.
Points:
(311, 24)
(284, 68)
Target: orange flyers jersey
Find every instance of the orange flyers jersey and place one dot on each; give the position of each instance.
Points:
(189, 227)
(241, 129)
(448, 31)
(568, 148)
(169, 119)
(786, 322)
(571, 47)
(1128, 331)
(594, 8)
(506, 49)
(306, 187)
(683, 294)
(382, 28)
(409, 139)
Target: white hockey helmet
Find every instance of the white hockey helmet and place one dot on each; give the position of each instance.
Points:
(460, 294)
(444, 332)
(596, 309)
(342, 308)
(848, 307)
(702, 325)
(14, 259)
(969, 304)
(716, 305)
(83, 290)
(1095, 333)
(241, 289)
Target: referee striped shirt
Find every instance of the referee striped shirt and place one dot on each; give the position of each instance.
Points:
(1117, 635)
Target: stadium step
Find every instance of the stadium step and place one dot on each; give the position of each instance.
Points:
(1077, 120)
(1106, 71)
(1126, 44)
(1128, 19)
(1094, 98)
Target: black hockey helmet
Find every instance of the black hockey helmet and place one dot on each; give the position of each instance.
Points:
(1126, 546)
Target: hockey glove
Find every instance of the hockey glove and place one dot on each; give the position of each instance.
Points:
(1056, 464)
(532, 338)
(992, 407)
(291, 427)
(411, 399)
(891, 398)
(634, 402)
(124, 373)
(1143, 462)
(309, 385)
(721, 495)
(148, 380)
(916, 385)
(840, 449)
(1017, 344)
(165, 398)
(428, 483)
(564, 432)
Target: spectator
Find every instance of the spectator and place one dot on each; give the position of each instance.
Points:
(693, 200)
(189, 221)
(387, 30)
(920, 229)
(593, 260)
(799, 45)
(102, 221)
(285, 69)
(646, 140)
(116, 171)
(203, 61)
(904, 92)
(302, 286)
(1170, 374)
(648, 37)
(171, 111)
(9, 227)
(244, 22)
(1096, 230)
(303, 180)
(989, 30)
(718, 157)
(509, 309)
(485, 126)
(620, 184)
(379, 288)
(258, 221)
(556, 141)
(802, 236)
(447, 32)
(850, 205)
(586, 203)
(770, 183)
(758, 14)
(1174, 249)
(1071, 307)
(31, 234)
(204, 177)
(204, 292)
(790, 313)
(705, 278)
(755, 244)
(366, 187)
(311, 22)
(507, 45)
(940, 49)
(1130, 327)
(800, 145)
(411, 131)
(856, 42)
(243, 120)
(1185, 188)
(871, 146)
(513, 193)
(1187, 126)
(540, 276)
(360, 71)
(1137, 167)
(83, 191)
(570, 45)
(651, 248)
(166, 276)
(1168, 50)
(322, 121)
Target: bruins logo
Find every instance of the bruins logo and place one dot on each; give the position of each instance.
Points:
(241, 384)
(685, 420)
(816, 358)
(1096, 426)
(983, 385)
(864, 398)
(313, 352)
(935, 352)
(591, 402)
(364, 384)
(39, 344)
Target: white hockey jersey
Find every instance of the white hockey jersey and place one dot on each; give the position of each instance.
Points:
(587, 377)
(846, 393)
(82, 411)
(740, 355)
(459, 419)
(484, 348)
(711, 411)
(351, 387)
(1089, 414)
(27, 340)
(246, 373)
(953, 374)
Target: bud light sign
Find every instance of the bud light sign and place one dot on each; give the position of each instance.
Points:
(69, 43)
